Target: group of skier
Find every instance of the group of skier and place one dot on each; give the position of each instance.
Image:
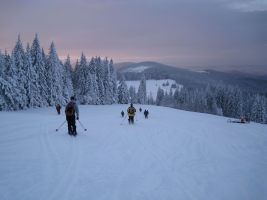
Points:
(72, 114)
(131, 113)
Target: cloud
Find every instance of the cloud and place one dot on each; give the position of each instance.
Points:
(247, 5)
(179, 32)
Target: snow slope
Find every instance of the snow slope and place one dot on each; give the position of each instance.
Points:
(172, 155)
(153, 85)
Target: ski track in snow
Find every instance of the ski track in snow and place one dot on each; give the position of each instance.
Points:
(172, 155)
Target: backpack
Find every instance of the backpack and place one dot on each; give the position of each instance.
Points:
(131, 110)
(70, 109)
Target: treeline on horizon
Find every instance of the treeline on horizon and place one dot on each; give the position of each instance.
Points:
(29, 78)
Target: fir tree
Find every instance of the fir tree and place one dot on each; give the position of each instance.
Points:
(258, 112)
(141, 94)
(107, 82)
(82, 83)
(150, 99)
(160, 96)
(100, 77)
(39, 66)
(55, 79)
(113, 82)
(123, 93)
(8, 85)
(95, 92)
(67, 80)
(19, 76)
(133, 94)
(3, 103)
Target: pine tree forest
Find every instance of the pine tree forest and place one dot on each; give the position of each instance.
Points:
(29, 78)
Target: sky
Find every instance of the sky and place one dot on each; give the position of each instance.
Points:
(176, 32)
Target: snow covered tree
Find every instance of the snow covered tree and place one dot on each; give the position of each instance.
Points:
(133, 95)
(8, 98)
(8, 84)
(95, 92)
(210, 100)
(55, 80)
(3, 103)
(32, 82)
(2, 65)
(197, 101)
(67, 80)
(180, 98)
(258, 112)
(107, 82)
(19, 76)
(150, 99)
(141, 94)
(75, 77)
(39, 66)
(11, 88)
(123, 93)
(167, 99)
(113, 82)
(160, 96)
(100, 78)
(232, 105)
(83, 81)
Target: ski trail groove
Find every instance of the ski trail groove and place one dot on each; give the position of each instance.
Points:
(65, 178)
(162, 162)
(49, 162)
(75, 168)
(60, 186)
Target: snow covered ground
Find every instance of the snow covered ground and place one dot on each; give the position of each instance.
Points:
(153, 85)
(172, 155)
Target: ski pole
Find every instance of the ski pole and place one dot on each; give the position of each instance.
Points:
(61, 125)
(123, 120)
(82, 125)
(136, 118)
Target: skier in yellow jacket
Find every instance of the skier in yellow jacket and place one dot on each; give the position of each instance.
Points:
(131, 113)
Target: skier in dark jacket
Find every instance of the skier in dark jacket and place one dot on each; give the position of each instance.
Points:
(70, 111)
(122, 113)
(58, 108)
(131, 113)
(146, 113)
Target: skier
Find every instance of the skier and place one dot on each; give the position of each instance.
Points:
(70, 111)
(140, 109)
(122, 113)
(146, 113)
(58, 108)
(131, 112)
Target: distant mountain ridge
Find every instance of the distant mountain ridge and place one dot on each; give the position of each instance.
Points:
(248, 69)
(192, 77)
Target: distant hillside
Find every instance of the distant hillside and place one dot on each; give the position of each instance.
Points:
(192, 78)
(152, 86)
